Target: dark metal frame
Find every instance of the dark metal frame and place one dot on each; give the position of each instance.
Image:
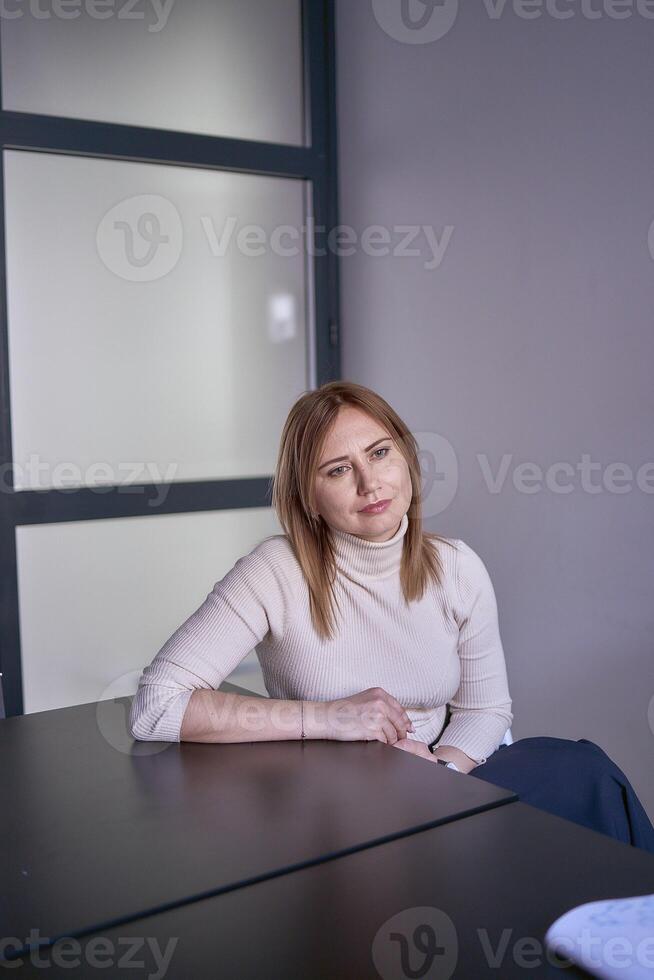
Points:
(315, 163)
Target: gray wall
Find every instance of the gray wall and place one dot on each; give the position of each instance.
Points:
(534, 139)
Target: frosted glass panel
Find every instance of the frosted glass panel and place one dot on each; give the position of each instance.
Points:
(222, 67)
(97, 599)
(153, 336)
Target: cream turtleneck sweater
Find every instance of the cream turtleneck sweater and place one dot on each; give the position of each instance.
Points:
(443, 649)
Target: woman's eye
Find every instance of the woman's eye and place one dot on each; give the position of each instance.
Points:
(382, 449)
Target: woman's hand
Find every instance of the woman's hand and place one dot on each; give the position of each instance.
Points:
(370, 715)
(415, 746)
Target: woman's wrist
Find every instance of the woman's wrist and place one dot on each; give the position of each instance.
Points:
(312, 720)
(451, 754)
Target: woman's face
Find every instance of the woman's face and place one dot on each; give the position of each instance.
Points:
(368, 473)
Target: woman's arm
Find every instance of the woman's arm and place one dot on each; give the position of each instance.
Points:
(481, 708)
(218, 716)
(236, 615)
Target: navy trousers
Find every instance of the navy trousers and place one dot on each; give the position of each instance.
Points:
(573, 779)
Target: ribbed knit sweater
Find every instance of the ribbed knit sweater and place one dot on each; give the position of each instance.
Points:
(443, 649)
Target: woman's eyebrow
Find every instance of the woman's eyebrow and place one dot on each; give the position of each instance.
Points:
(366, 450)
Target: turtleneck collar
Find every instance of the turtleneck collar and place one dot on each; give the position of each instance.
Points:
(359, 558)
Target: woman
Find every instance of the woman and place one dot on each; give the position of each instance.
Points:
(368, 627)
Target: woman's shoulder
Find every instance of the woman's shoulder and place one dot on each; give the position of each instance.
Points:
(269, 566)
(451, 547)
(275, 555)
(446, 548)
(463, 566)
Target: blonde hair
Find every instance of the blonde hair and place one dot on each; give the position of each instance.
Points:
(303, 437)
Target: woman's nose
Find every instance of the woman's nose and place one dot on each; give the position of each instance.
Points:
(367, 481)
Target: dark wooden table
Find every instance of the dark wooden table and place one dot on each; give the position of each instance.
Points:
(96, 829)
(482, 889)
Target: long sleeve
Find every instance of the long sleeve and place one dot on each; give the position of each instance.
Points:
(237, 614)
(481, 708)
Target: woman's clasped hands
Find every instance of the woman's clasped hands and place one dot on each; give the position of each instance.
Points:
(370, 715)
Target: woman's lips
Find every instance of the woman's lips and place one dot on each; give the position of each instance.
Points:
(377, 508)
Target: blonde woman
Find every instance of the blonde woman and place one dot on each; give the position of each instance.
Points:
(367, 627)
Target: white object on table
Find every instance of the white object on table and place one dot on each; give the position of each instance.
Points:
(612, 939)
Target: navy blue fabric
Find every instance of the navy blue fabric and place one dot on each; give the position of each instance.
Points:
(573, 779)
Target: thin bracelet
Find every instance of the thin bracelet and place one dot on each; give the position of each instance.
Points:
(302, 707)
